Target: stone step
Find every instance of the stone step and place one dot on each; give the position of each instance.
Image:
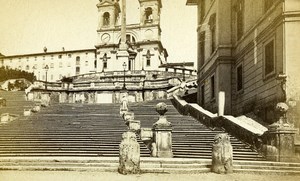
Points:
(147, 165)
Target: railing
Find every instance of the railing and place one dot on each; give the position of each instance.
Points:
(115, 80)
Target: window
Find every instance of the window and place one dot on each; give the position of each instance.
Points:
(240, 18)
(239, 77)
(130, 39)
(104, 65)
(59, 56)
(202, 101)
(86, 63)
(69, 64)
(77, 60)
(77, 70)
(212, 87)
(51, 65)
(43, 57)
(35, 58)
(268, 4)
(202, 48)
(106, 19)
(27, 59)
(27, 67)
(69, 55)
(148, 14)
(51, 57)
(212, 25)
(95, 63)
(51, 76)
(269, 56)
(60, 65)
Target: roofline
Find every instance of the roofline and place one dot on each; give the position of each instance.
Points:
(191, 2)
(50, 53)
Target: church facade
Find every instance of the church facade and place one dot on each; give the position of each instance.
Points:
(144, 47)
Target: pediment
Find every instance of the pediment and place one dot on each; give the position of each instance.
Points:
(106, 3)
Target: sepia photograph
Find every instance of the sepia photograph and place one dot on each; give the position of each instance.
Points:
(149, 90)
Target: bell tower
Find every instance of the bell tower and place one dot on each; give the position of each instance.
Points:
(109, 11)
(150, 11)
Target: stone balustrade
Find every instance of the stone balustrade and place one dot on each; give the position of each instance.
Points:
(158, 139)
(276, 142)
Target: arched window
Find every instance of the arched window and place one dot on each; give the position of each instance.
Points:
(130, 40)
(148, 14)
(106, 19)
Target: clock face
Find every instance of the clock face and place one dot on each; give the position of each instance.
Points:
(105, 38)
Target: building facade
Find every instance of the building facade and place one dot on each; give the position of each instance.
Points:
(146, 51)
(248, 49)
(143, 38)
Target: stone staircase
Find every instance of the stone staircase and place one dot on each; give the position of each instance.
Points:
(15, 102)
(191, 139)
(86, 137)
(66, 130)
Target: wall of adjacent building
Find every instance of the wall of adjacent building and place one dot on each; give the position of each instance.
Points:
(60, 64)
(260, 91)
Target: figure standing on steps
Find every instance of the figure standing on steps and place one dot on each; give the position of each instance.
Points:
(124, 101)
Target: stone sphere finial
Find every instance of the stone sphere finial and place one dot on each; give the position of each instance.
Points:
(161, 108)
(281, 108)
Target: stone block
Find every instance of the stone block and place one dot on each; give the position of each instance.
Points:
(5, 118)
(129, 154)
(27, 112)
(146, 134)
(135, 125)
(222, 155)
(36, 109)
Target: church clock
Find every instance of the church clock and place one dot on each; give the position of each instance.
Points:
(105, 38)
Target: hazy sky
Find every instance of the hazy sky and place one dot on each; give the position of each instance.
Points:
(26, 26)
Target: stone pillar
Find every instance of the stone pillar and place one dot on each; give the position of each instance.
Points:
(129, 154)
(162, 137)
(280, 137)
(222, 154)
(221, 103)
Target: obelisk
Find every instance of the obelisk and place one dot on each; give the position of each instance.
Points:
(122, 53)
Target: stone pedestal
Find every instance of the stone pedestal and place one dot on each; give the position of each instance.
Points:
(281, 146)
(134, 125)
(146, 134)
(162, 134)
(129, 154)
(27, 112)
(280, 137)
(222, 154)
